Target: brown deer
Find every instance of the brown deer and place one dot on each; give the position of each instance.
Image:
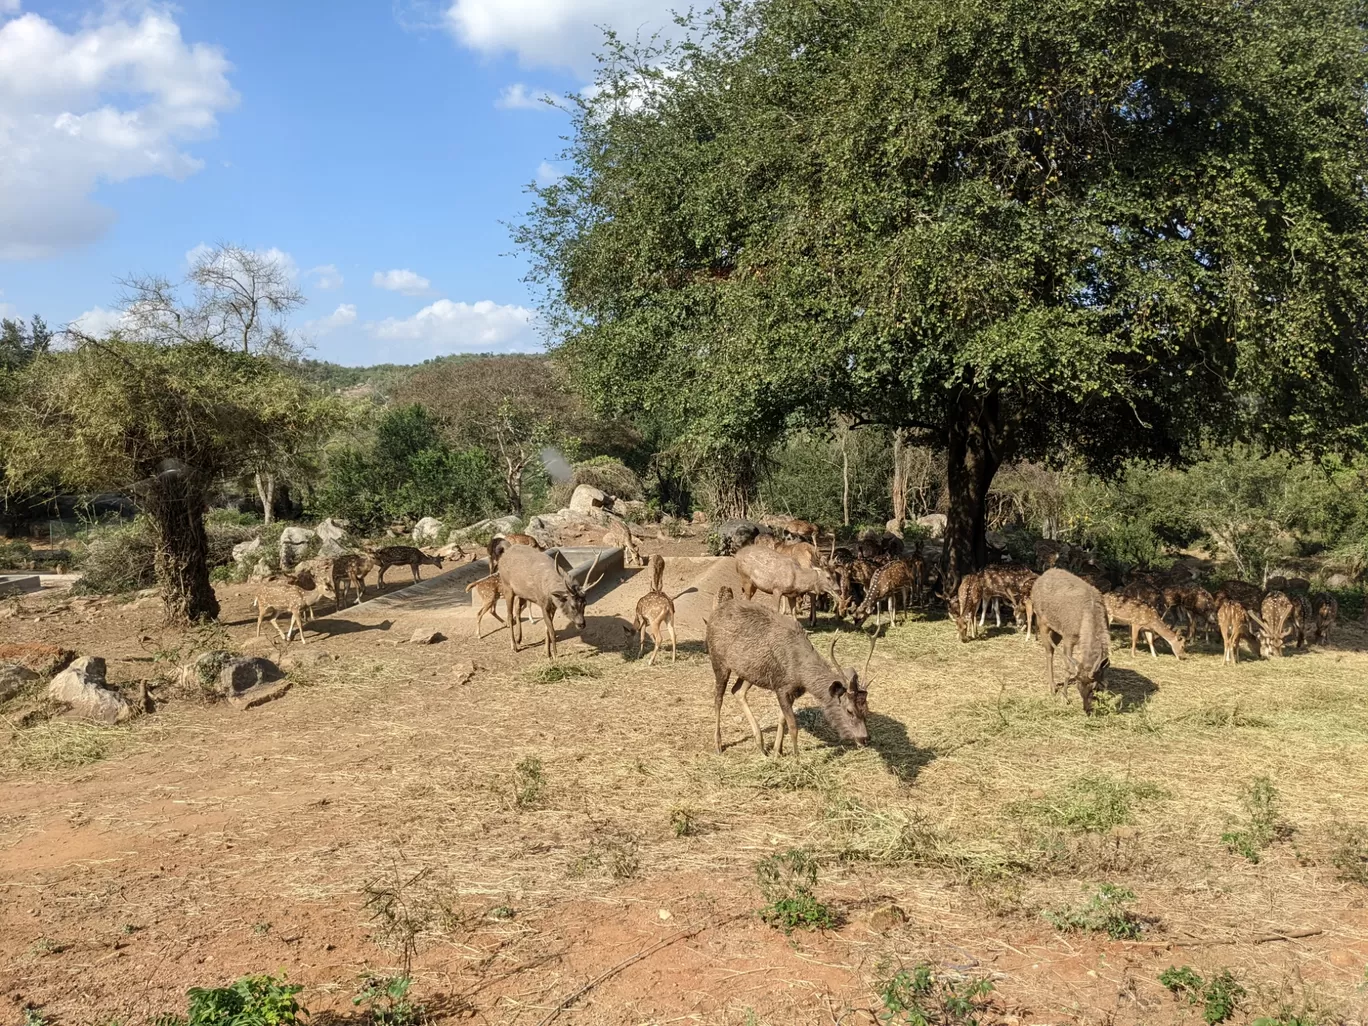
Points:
(619, 536)
(1233, 619)
(1325, 608)
(274, 597)
(1010, 582)
(487, 590)
(1278, 617)
(402, 555)
(346, 573)
(501, 542)
(762, 569)
(655, 612)
(896, 578)
(765, 649)
(802, 530)
(1142, 619)
(1071, 609)
(964, 606)
(1194, 603)
(529, 576)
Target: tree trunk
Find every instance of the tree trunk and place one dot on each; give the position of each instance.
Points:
(176, 510)
(513, 486)
(266, 487)
(845, 479)
(973, 457)
(899, 479)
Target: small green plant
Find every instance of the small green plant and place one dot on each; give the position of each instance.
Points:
(387, 1002)
(35, 1017)
(1285, 1019)
(1262, 827)
(502, 913)
(1106, 912)
(1219, 996)
(529, 783)
(262, 1000)
(922, 997)
(554, 673)
(1350, 856)
(684, 821)
(786, 882)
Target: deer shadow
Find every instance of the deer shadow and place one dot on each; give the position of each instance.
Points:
(330, 627)
(1134, 688)
(887, 736)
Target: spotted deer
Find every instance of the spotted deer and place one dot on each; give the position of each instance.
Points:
(1142, 618)
(402, 555)
(487, 590)
(655, 612)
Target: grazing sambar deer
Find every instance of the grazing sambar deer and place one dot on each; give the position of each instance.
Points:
(765, 649)
(528, 575)
(654, 612)
(1070, 609)
(500, 543)
(1142, 618)
(402, 555)
(764, 569)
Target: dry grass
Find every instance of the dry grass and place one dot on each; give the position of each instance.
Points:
(983, 800)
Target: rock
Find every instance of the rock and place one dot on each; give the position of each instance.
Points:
(245, 553)
(260, 694)
(452, 551)
(427, 530)
(243, 673)
(1338, 582)
(587, 497)
(14, 679)
(426, 636)
(737, 534)
(464, 674)
(499, 525)
(934, 524)
(305, 660)
(81, 687)
(44, 660)
(331, 536)
(700, 517)
(261, 571)
(294, 545)
(887, 917)
(894, 527)
(210, 665)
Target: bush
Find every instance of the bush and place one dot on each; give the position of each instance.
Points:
(604, 473)
(922, 997)
(786, 880)
(121, 557)
(805, 478)
(1107, 912)
(251, 1001)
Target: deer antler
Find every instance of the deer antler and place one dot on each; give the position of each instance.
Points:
(873, 640)
(589, 585)
(831, 658)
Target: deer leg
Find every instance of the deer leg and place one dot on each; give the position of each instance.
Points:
(789, 721)
(750, 716)
(515, 621)
(275, 622)
(261, 615)
(997, 611)
(655, 639)
(1149, 636)
(417, 574)
(1135, 634)
(720, 678)
(550, 617)
(641, 638)
(673, 649)
(294, 618)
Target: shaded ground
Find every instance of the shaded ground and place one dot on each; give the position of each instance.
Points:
(526, 828)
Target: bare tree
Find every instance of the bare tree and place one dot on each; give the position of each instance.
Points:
(240, 298)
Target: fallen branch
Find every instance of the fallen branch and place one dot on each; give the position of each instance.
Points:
(646, 953)
(1289, 935)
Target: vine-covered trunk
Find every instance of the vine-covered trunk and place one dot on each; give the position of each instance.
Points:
(899, 479)
(266, 489)
(176, 510)
(972, 458)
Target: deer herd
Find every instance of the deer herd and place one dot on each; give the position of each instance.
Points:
(1071, 603)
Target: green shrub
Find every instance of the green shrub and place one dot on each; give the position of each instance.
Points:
(923, 997)
(1093, 803)
(1107, 912)
(786, 881)
(117, 558)
(1261, 826)
(251, 1001)
(1219, 996)
(387, 1001)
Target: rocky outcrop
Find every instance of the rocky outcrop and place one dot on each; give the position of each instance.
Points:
(294, 546)
(81, 688)
(427, 531)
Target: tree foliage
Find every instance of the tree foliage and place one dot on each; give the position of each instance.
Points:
(161, 423)
(1103, 228)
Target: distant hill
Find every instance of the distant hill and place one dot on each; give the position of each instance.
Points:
(381, 379)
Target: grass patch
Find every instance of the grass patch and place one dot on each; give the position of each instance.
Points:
(1107, 911)
(1219, 996)
(1092, 803)
(786, 882)
(528, 786)
(1261, 826)
(61, 744)
(555, 672)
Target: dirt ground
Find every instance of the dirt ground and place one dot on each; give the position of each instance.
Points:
(533, 838)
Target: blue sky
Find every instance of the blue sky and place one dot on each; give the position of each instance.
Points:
(373, 147)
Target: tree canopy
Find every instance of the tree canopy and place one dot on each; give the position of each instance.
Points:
(1101, 228)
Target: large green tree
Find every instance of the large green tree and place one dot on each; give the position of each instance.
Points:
(163, 423)
(1010, 229)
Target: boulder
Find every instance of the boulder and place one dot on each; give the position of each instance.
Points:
(261, 571)
(426, 636)
(699, 517)
(14, 679)
(81, 687)
(427, 531)
(737, 534)
(245, 553)
(1338, 582)
(331, 536)
(497, 525)
(210, 665)
(294, 545)
(934, 523)
(249, 681)
(587, 497)
(44, 660)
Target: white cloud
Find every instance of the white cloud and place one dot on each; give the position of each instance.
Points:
(520, 97)
(409, 283)
(343, 316)
(279, 257)
(325, 276)
(447, 327)
(548, 173)
(9, 6)
(99, 322)
(112, 100)
(552, 33)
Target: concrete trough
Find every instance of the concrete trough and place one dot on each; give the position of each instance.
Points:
(19, 584)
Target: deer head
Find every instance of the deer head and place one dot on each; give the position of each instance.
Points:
(845, 699)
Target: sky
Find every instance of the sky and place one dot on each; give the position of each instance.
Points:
(376, 149)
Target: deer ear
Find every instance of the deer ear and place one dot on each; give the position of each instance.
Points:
(837, 689)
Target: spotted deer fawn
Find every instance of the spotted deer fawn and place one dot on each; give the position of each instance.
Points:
(654, 612)
(275, 597)
(487, 590)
